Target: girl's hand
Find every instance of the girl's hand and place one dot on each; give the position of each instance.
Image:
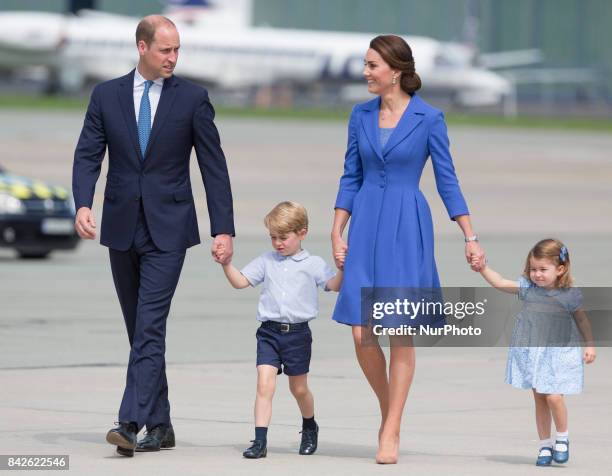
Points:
(589, 355)
(339, 249)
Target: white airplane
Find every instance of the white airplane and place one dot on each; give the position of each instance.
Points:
(220, 48)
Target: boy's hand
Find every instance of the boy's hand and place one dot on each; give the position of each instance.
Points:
(219, 253)
(589, 355)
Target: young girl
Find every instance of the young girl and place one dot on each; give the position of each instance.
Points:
(549, 304)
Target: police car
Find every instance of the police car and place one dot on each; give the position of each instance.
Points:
(35, 218)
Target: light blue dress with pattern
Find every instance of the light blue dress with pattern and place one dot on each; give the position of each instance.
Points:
(546, 318)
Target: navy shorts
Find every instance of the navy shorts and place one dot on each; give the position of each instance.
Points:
(288, 351)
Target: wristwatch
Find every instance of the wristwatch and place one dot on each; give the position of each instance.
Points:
(471, 238)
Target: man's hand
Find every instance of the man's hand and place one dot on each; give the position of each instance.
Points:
(85, 223)
(222, 249)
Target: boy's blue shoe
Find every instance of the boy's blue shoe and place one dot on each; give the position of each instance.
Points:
(561, 456)
(545, 459)
(257, 450)
(310, 438)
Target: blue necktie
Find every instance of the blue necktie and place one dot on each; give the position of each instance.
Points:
(144, 118)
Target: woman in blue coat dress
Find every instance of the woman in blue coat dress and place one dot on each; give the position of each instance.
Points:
(391, 240)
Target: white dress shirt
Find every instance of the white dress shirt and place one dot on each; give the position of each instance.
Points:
(154, 93)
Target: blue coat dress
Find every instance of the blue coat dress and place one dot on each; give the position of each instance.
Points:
(390, 238)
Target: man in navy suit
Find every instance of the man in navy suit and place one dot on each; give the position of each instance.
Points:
(149, 120)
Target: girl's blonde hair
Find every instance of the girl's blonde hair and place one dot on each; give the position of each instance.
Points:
(287, 217)
(556, 252)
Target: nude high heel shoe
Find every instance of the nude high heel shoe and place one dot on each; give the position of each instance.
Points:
(388, 451)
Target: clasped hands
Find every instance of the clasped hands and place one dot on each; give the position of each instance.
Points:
(475, 256)
(339, 249)
(222, 249)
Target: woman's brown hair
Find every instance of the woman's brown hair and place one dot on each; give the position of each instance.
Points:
(397, 54)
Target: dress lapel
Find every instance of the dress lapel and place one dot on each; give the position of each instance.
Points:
(126, 100)
(409, 121)
(369, 121)
(163, 109)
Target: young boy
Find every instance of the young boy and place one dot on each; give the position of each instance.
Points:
(290, 276)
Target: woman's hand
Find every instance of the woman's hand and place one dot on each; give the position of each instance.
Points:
(339, 249)
(475, 256)
(339, 246)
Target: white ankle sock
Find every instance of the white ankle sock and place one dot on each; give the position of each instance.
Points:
(562, 438)
(547, 443)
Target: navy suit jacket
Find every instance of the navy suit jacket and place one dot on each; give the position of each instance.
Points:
(184, 119)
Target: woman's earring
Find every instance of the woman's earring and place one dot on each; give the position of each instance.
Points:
(394, 80)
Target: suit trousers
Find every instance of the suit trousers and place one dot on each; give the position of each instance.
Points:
(145, 280)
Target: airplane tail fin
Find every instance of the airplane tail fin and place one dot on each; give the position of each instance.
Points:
(210, 13)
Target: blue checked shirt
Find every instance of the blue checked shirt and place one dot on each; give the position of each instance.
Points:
(289, 292)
